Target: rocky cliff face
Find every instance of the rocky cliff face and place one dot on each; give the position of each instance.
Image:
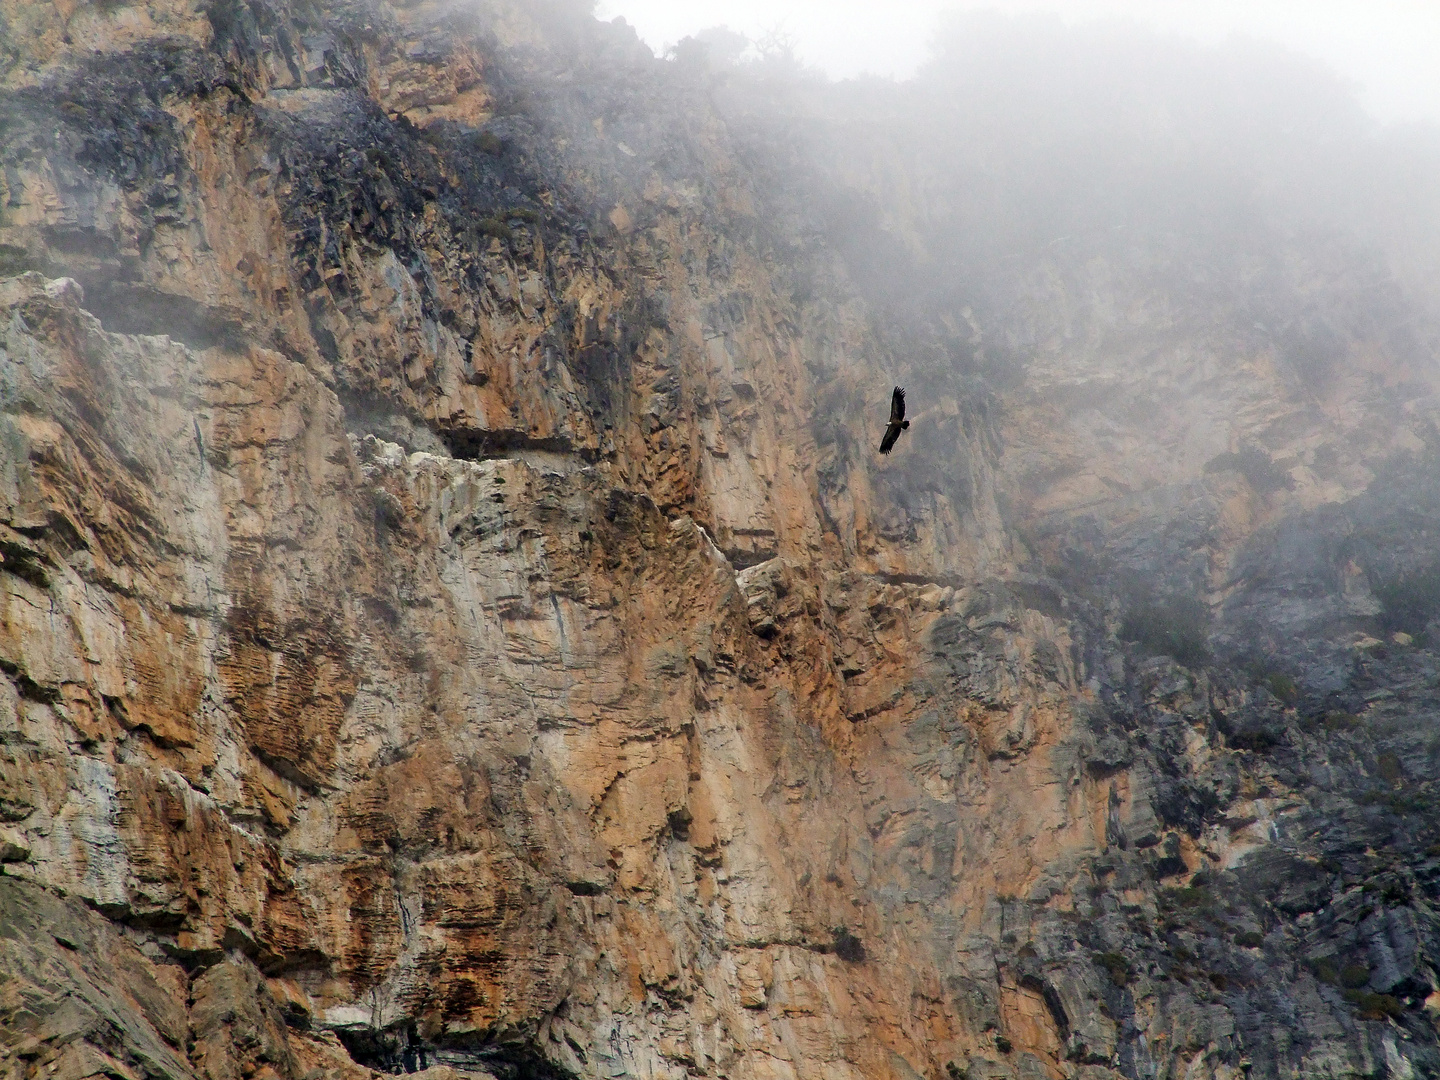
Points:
(454, 618)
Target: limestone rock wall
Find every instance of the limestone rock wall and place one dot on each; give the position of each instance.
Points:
(453, 618)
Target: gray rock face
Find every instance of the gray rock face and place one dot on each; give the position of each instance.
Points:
(80, 999)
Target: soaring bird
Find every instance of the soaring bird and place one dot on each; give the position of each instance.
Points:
(898, 423)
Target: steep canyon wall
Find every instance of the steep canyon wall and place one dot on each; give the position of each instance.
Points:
(454, 617)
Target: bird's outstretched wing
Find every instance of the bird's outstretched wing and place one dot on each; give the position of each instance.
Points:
(897, 420)
(888, 442)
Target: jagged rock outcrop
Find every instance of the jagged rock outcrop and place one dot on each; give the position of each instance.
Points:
(453, 619)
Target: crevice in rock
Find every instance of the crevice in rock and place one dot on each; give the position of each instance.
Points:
(477, 444)
(921, 579)
(741, 559)
(395, 1050)
(27, 687)
(137, 309)
(520, 1059)
(400, 1050)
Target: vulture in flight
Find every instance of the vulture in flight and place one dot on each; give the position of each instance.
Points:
(898, 423)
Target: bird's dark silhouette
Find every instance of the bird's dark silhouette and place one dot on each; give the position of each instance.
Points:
(898, 423)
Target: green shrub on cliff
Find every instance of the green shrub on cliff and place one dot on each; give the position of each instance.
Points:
(1173, 627)
(1409, 601)
(1374, 1006)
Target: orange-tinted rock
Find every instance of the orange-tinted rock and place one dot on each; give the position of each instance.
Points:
(462, 614)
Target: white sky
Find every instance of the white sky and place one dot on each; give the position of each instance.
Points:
(1389, 48)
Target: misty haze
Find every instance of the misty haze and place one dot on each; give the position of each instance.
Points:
(537, 547)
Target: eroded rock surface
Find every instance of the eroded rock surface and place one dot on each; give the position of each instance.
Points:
(453, 621)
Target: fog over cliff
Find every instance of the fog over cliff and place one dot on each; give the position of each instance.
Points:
(454, 618)
(1123, 224)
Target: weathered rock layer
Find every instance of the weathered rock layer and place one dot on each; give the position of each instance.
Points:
(453, 618)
